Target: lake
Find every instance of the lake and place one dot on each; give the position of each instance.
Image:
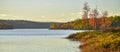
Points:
(37, 40)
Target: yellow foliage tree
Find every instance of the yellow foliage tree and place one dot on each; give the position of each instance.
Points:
(52, 26)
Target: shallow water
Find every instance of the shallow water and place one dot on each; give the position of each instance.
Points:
(37, 40)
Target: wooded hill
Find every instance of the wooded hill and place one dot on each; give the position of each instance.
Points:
(26, 24)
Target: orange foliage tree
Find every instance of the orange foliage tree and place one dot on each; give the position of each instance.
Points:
(105, 23)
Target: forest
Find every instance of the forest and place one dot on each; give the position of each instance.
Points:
(99, 23)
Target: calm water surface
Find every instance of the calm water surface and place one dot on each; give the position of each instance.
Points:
(37, 40)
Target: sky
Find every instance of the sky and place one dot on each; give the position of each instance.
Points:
(53, 10)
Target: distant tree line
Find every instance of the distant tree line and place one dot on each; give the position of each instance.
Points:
(101, 23)
(5, 26)
(91, 19)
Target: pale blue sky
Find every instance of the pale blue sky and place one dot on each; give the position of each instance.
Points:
(53, 10)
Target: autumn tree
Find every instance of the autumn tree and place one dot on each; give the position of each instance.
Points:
(52, 26)
(85, 19)
(105, 21)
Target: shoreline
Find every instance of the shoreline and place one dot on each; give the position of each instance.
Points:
(97, 41)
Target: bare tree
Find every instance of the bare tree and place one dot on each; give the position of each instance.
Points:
(104, 15)
(86, 10)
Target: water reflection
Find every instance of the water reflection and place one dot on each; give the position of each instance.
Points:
(47, 43)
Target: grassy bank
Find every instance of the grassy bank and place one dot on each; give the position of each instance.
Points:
(99, 41)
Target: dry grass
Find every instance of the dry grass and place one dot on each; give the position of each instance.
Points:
(97, 41)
